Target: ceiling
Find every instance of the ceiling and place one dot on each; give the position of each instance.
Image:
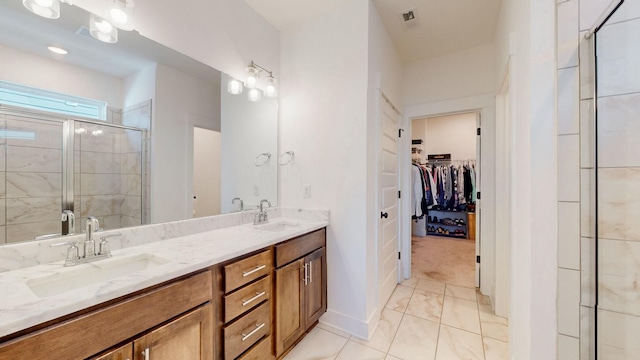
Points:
(25, 31)
(442, 27)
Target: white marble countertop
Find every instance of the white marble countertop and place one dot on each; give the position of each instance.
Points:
(21, 308)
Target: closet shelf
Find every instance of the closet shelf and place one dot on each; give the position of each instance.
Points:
(447, 235)
(441, 224)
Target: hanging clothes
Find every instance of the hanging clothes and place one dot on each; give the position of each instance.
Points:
(417, 191)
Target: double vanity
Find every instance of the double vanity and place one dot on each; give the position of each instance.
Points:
(211, 288)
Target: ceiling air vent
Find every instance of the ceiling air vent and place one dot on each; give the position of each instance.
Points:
(83, 31)
(410, 19)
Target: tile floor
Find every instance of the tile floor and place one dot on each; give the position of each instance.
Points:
(424, 319)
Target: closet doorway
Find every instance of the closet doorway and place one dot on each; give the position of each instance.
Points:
(445, 156)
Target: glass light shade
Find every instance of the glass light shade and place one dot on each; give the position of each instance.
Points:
(252, 77)
(270, 88)
(49, 9)
(102, 29)
(121, 14)
(254, 95)
(234, 86)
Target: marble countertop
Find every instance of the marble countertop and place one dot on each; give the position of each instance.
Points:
(21, 308)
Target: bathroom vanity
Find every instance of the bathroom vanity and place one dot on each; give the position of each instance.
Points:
(239, 292)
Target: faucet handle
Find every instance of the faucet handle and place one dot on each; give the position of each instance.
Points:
(72, 252)
(104, 244)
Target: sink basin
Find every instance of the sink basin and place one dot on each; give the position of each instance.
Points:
(277, 226)
(88, 274)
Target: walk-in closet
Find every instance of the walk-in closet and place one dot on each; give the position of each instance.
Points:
(444, 198)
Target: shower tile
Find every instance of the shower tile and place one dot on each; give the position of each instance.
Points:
(30, 159)
(131, 163)
(587, 65)
(99, 184)
(131, 206)
(3, 157)
(618, 336)
(567, 34)
(568, 102)
(590, 11)
(569, 302)
(108, 141)
(100, 205)
(3, 184)
(35, 133)
(3, 234)
(619, 203)
(629, 10)
(568, 348)
(131, 185)
(619, 130)
(131, 141)
(29, 231)
(568, 168)
(110, 222)
(21, 184)
(99, 163)
(618, 57)
(587, 332)
(619, 269)
(127, 221)
(3, 214)
(569, 235)
(33, 209)
(587, 202)
(587, 272)
(587, 134)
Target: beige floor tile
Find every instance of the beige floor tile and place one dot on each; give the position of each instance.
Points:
(461, 292)
(356, 351)
(416, 339)
(454, 344)
(318, 344)
(410, 282)
(391, 357)
(400, 298)
(334, 330)
(426, 305)
(494, 326)
(495, 350)
(461, 314)
(431, 285)
(385, 331)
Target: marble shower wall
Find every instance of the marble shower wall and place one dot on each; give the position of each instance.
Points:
(139, 116)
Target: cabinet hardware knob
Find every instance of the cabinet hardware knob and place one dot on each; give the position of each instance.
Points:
(246, 336)
(246, 302)
(258, 268)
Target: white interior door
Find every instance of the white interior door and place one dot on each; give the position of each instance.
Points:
(388, 200)
(206, 172)
(478, 201)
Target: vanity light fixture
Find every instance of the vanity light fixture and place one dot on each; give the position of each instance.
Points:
(49, 9)
(253, 76)
(97, 132)
(121, 14)
(81, 131)
(270, 88)
(254, 95)
(57, 50)
(102, 29)
(234, 86)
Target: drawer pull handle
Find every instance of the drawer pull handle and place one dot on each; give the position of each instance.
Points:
(310, 271)
(258, 268)
(258, 327)
(247, 302)
(145, 353)
(306, 274)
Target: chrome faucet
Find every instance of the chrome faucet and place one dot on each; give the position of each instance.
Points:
(92, 225)
(67, 215)
(262, 217)
(233, 201)
(89, 248)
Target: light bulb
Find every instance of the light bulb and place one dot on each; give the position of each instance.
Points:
(104, 26)
(102, 29)
(252, 77)
(254, 95)
(44, 3)
(119, 16)
(49, 9)
(270, 89)
(234, 87)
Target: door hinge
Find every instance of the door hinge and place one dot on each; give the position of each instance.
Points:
(478, 131)
(399, 255)
(478, 195)
(478, 259)
(399, 194)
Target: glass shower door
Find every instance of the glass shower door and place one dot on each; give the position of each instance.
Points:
(108, 174)
(618, 184)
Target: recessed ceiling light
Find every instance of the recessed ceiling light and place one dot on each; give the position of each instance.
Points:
(57, 50)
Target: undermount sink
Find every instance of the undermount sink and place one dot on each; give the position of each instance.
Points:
(88, 274)
(277, 226)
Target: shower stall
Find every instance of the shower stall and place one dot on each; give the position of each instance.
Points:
(50, 163)
(611, 258)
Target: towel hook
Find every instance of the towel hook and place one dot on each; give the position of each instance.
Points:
(290, 153)
(266, 155)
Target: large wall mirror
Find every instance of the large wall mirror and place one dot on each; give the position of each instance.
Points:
(131, 132)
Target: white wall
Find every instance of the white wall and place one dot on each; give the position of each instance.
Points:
(49, 74)
(456, 75)
(181, 101)
(250, 129)
(526, 30)
(453, 134)
(323, 115)
(139, 87)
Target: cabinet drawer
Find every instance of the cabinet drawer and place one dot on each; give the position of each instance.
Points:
(299, 247)
(246, 298)
(245, 332)
(245, 271)
(261, 351)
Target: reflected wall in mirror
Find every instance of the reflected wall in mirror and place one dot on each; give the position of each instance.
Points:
(165, 120)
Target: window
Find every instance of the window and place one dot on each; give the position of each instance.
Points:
(37, 99)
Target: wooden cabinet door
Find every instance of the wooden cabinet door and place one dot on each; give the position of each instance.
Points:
(122, 353)
(189, 337)
(290, 311)
(316, 289)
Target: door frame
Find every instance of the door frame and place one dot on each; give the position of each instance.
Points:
(485, 106)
